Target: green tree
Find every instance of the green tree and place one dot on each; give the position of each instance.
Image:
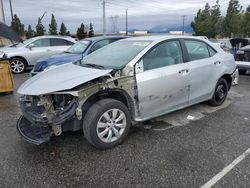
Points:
(232, 18)
(203, 22)
(29, 32)
(17, 26)
(53, 26)
(40, 30)
(215, 17)
(91, 30)
(63, 30)
(81, 32)
(247, 22)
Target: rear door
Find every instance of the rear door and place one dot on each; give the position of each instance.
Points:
(58, 45)
(162, 86)
(204, 65)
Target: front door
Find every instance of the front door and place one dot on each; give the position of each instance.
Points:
(163, 84)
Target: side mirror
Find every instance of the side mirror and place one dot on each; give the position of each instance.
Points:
(31, 46)
(139, 67)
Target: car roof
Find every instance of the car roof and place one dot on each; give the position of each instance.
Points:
(54, 36)
(105, 37)
(163, 37)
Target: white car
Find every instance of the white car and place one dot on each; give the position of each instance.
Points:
(26, 54)
(131, 80)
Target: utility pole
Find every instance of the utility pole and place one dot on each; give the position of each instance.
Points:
(104, 17)
(126, 21)
(2, 16)
(11, 11)
(183, 25)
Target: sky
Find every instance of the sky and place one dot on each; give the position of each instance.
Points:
(142, 14)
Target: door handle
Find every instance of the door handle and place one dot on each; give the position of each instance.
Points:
(217, 63)
(184, 71)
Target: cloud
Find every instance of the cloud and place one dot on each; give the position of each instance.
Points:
(142, 13)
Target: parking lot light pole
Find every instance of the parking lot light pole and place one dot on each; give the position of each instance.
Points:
(11, 10)
(2, 16)
(104, 17)
(183, 25)
(126, 21)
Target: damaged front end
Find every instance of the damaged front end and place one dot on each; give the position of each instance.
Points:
(46, 115)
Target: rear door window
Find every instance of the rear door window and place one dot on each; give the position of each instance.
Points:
(59, 42)
(197, 50)
(99, 45)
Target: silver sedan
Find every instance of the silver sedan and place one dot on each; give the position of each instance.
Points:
(132, 80)
(27, 53)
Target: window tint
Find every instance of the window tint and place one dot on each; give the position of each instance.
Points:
(197, 50)
(59, 42)
(212, 52)
(165, 54)
(99, 45)
(41, 43)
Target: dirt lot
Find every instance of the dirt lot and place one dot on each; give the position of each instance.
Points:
(170, 151)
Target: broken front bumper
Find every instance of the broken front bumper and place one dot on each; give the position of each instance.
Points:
(32, 133)
(37, 125)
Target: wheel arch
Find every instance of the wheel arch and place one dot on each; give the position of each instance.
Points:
(117, 94)
(229, 80)
(21, 57)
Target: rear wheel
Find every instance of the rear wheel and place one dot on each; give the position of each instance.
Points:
(220, 93)
(107, 123)
(18, 65)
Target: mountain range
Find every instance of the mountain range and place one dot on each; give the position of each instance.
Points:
(165, 28)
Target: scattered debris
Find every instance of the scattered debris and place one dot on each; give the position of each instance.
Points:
(190, 117)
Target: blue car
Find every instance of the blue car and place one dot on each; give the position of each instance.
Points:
(75, 52)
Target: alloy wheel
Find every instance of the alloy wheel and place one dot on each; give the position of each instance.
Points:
(17, 66)
(111, 125)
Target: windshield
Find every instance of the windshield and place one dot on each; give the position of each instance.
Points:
(116, 55)
(79, 47)
(24, 43)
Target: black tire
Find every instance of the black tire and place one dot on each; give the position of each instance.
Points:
(220, 93)
(18, 65)
(94, 114)
(242, 72)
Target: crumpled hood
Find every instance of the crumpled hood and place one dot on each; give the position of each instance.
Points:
(61, 78)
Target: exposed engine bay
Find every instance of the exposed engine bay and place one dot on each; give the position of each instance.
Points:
(52, 114)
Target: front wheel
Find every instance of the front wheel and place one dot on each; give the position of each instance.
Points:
(220, 93)
(107, 123)
(17, 65)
